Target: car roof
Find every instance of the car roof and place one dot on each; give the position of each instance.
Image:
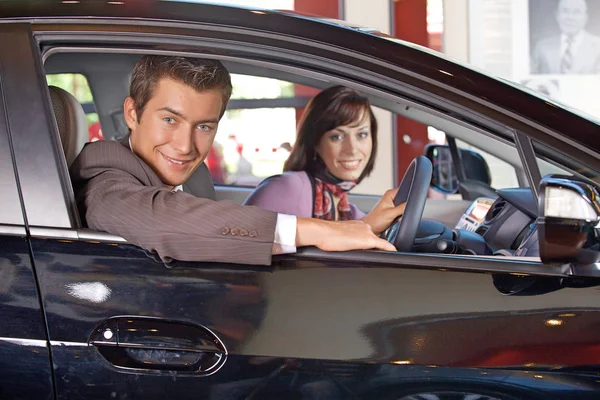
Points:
(427, 63)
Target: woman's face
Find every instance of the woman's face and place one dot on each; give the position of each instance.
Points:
(346, 149)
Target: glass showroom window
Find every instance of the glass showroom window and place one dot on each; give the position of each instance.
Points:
(257, 132)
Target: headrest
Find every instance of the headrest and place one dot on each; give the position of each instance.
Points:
(71, 120)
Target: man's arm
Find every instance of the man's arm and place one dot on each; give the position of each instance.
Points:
(339, 236)
(119, 194)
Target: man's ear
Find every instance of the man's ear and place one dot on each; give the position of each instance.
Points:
(130, 113)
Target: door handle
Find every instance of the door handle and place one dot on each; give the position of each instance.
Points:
(144, 343)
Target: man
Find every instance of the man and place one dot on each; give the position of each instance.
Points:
(574, 51)
(134, 189)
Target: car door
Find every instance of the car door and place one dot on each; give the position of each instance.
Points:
(25, 368)
(122, 323)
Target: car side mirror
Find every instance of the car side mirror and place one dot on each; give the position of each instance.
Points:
(569, 220)
(444, 177)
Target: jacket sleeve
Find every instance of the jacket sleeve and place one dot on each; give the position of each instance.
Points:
(117, 193)
(288, 193)
(357, 212)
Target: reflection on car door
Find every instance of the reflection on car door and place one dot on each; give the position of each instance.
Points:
(122, 321)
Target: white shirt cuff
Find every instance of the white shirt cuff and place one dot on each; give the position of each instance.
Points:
(285, 234)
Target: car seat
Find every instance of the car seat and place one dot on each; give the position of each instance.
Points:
(71, 120)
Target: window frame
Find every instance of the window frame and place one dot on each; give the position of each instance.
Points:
(11, 213)
(43, 179)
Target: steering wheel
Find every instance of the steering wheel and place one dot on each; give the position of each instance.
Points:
(412, 191)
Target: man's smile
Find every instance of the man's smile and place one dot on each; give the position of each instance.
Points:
(176, 161)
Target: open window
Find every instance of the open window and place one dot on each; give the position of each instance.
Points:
(253, 137)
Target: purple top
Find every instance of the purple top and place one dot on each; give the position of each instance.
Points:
(289, 193)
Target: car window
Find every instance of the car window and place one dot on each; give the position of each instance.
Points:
(551, 161)
(259, 128)
(78, 86)
(503, 174)
(257, 131)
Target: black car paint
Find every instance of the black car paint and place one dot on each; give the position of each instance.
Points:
(312, 323)
(302, 317)
(25, 369)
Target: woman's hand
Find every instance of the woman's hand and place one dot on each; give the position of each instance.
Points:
(384, 212)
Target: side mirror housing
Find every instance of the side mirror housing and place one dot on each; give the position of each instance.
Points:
(444, 177)
(569, 220)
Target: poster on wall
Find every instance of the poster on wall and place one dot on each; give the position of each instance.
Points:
(550, 46)
(564, 40)
(564, 60)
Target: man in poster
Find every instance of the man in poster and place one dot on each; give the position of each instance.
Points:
(574, 50)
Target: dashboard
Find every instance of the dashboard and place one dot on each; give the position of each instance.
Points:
(502, 226)
(474, 216)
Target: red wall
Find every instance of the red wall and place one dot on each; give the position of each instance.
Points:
(322, 8)
(410, 24)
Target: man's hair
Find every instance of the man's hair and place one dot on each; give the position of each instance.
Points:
(200, 74)
(333, 107)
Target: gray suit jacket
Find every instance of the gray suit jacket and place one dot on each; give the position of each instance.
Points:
(119, 193)
(546, 56)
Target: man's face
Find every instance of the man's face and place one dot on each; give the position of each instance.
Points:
(176, 129)
(571, 16)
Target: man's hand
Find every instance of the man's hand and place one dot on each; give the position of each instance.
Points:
(338, 236)
(384, 212)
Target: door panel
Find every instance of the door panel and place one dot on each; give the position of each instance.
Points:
(305, 324)
(25, 370)
(85, 285)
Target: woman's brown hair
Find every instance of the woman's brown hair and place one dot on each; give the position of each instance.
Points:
(333, 107)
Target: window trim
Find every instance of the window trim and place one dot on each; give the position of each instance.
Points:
(34, 135)
(10, 195)
(519, 266)
(527, 154)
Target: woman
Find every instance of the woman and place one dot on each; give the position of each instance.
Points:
(335, 150)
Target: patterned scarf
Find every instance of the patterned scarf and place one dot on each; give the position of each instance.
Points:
(325, 187)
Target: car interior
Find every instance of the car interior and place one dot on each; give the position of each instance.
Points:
(485, 220)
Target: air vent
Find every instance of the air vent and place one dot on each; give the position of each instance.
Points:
(495, 210)
(342, 368)
(482, 230)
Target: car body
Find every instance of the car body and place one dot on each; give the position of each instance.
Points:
(88, 315)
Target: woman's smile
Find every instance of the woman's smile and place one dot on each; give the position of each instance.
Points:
(350, 165)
